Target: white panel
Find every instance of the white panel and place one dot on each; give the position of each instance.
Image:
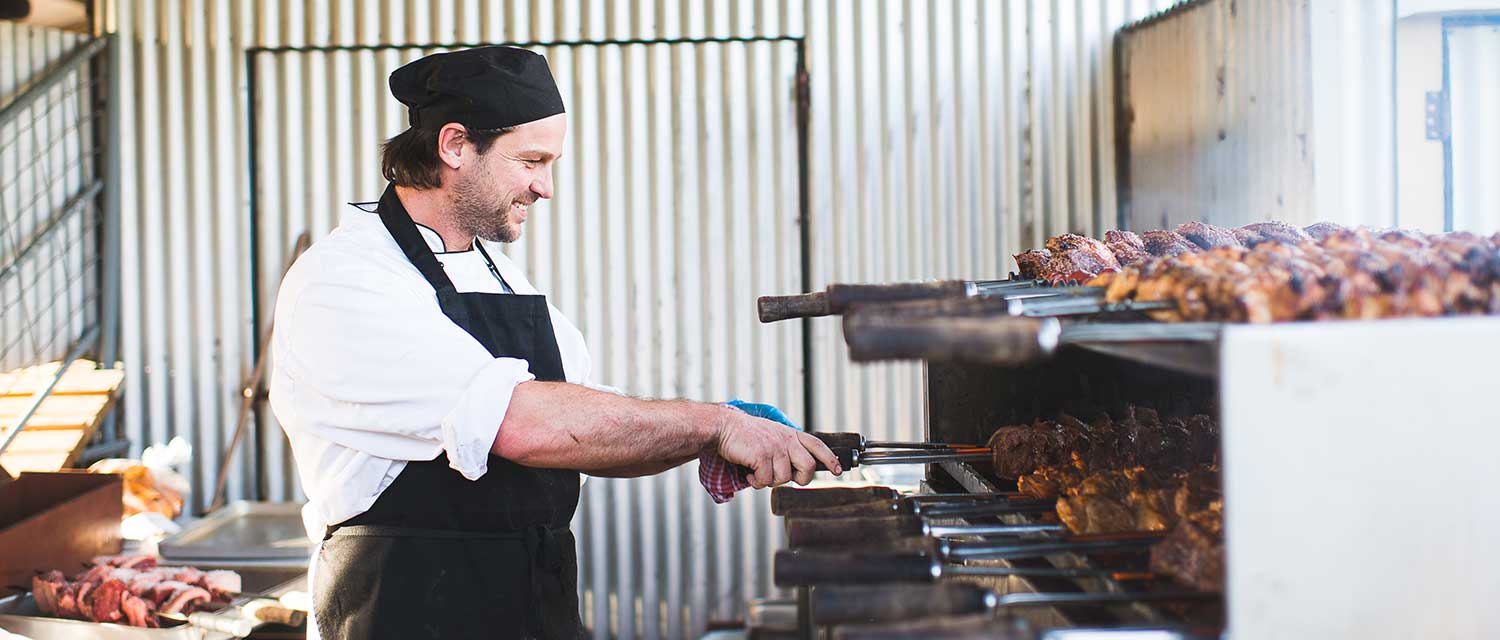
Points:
(1474, 86)
(1335, 406)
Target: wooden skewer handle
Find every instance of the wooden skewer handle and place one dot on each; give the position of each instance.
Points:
(844, 605)
(842, 297)
(806, 305)
(803, 567)
(995, 340)
(786, 500)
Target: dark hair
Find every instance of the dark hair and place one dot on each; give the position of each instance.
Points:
(410, 158)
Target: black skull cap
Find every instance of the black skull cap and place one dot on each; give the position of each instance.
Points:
(481, 88)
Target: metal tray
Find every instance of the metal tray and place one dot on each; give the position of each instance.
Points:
(1188, 347)
(242, 531)
(18, 614)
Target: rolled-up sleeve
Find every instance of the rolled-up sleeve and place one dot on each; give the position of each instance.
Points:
(368, 362)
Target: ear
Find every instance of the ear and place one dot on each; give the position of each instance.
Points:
(452, 145)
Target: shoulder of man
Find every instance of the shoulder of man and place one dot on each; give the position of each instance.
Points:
(355, 255)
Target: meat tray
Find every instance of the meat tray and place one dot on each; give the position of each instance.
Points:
(240, 531)
(19, 614)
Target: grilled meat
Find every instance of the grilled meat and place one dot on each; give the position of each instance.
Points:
(1349, 273)
(1131, 498)
(1033, 263)
(1321, 230)
(1138, 437)
(1189, 504)
(1164, 244)
(1193, 553)
(1275, 232)
(1207, 236)
(1067, 258)
(1127, 247)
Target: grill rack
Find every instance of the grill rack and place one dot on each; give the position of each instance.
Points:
(974, 480)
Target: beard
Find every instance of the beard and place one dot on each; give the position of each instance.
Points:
(482, 214)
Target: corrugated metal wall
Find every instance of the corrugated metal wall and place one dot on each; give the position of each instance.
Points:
(945, 135)
(1218, 115)
(1274, 109)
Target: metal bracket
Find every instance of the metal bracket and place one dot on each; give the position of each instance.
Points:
(1437, 116)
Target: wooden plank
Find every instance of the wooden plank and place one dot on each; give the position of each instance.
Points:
(49, 441)
(82, 377)
(84, 382)
(15, 463)
(32, 447)
(12, 408)
(64, 422)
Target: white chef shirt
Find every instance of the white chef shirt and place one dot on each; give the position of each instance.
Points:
(367, 373)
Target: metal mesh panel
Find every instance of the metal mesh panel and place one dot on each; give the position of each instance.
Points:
(52, 160)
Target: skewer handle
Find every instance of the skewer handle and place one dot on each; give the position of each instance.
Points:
(859, 604)
(825, 532)
(873, 336)
(801, 567)
(272, 611)
(788, 500)
(806, 305)
(234, 625)
(865, 509)
(970, 627)
(843, 296)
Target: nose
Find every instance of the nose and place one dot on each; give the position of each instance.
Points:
(542, 186)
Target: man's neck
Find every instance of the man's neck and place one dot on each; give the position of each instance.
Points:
(429, 208)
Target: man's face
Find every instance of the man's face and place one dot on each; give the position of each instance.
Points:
(492, 196)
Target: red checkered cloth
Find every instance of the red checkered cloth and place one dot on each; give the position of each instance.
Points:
(720, 478)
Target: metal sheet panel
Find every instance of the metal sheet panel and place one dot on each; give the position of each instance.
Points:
(1295, 392)
(1236, 112)
(946, 135)
(1215, 115)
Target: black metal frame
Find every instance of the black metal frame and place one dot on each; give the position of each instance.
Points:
(802, 93)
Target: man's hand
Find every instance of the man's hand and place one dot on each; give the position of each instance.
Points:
(774, 454)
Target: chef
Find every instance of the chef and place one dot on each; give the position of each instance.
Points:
(439, 409)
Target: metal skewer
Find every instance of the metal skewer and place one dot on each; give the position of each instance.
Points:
(876, 500)
(838, 298)
(813, 531)
(842, 605)
(803, 567)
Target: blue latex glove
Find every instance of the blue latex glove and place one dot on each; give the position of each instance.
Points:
(761, 410)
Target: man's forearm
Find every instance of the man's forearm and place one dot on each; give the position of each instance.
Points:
(644, 469)
(567, 426)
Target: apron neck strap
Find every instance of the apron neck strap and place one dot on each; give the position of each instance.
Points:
(399, 223)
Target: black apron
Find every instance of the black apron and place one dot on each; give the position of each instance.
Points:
(440, 556)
